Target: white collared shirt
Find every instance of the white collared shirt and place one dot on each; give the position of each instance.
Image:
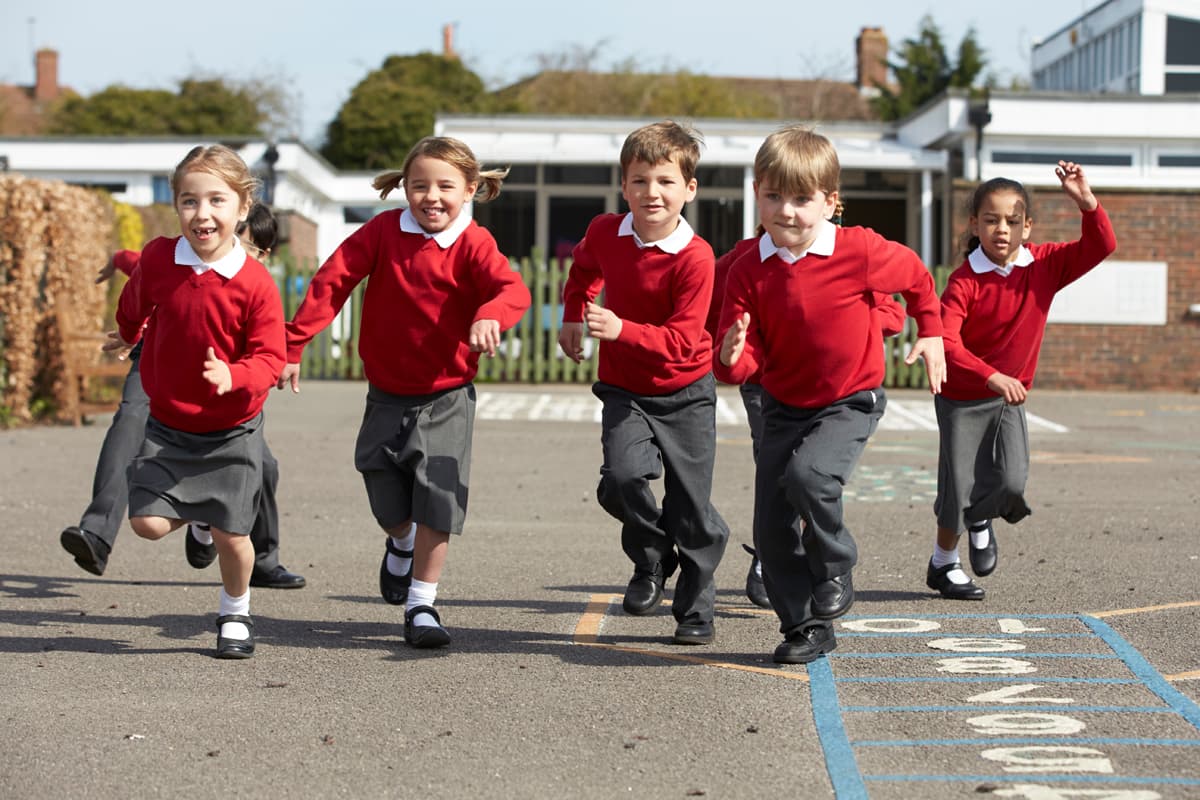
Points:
(674, 243)
(821, 246)
(980, 263)
(409, 224)
(227, 266)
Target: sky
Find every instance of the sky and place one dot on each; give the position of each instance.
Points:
(320, 55)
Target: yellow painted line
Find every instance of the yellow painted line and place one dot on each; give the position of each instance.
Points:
(1184, 676)
(1122, 612)
(587, 634)
(1127, 412)
(1043, 457)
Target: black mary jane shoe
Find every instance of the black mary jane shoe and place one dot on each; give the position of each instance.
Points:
(235, 648)
(938, 580)
(394, 588)
(425, 636)
(198, 555)
(983, 559)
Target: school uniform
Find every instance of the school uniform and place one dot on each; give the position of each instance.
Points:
(815, 336)
(994, 319)
(659, 399)
(425, 292)
(202, 458)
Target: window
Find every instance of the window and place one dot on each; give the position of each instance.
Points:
(1090, 159)
(728, 177)
(1179, 161)
(579, 174)
(511, 220)
(160, 188)
(1183, 42)
(358, 214)
(1182, 82)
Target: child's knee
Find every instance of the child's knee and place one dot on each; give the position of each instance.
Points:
(150, 527)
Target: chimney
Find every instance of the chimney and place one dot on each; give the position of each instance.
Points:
(872, 51)
(46, 75)
(448, 41)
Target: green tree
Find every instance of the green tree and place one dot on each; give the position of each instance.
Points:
(924, 70)
(200, 106)
(394, 106)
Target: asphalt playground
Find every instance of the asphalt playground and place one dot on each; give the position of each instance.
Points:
(1077, 677)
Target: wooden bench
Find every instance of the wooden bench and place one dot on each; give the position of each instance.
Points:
(83, 362)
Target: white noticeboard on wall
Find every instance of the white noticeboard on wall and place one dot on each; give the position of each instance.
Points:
(1115, 293)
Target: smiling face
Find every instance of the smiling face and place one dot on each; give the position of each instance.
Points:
(793, 220)
(209, 210)
(656, 194)
(1001, 225)
(436, 192)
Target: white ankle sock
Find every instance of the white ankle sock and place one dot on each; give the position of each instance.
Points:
(234, 605)
(422, 594)
(396, 564)
(943, 558)
(201, 532)
(979, 535)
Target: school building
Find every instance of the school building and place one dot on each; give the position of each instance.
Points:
(1133, 323)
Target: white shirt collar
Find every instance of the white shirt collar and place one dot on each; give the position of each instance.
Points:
(409, 224)
(980, 263)
(675, 242)
(821, 246)
(227, 266)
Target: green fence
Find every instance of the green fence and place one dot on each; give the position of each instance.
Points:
(529, 352)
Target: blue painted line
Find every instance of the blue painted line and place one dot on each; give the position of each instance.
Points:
(1145, 672)
(1013, 709)
(944, 634)
(956, 654)
(1026, 740)
(1034, 778)
(963, 616)
(839, 756)
(1006, 680)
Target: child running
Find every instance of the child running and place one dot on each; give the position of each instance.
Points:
(211, 321)
(800, 308)
(994, 311)
(656, 383)
(92, 540)
(440, 293)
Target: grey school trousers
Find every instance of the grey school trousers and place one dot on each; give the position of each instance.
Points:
(671, 436)
(110, 485)
(807, 455)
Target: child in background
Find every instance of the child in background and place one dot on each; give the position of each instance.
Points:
(656, 382)
(800, 308)
(440, 293)
(891, 318)
(994, 311)
(212, 324)
(91, 542)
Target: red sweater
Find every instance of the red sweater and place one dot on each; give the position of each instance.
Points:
(996, 324)
(419, 305)
(888, 312)
(661, 299)
(813, 332)
(185, 314)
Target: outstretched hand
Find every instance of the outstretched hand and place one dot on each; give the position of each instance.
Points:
(484, 336)
(217, 372)
(734, 341)
(1008, 387)
(1075, 184)
(290, 374)
(115, 344)
(107, 271)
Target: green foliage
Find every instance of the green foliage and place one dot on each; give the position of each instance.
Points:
(394, 106)
(924, 70)
(199, 107)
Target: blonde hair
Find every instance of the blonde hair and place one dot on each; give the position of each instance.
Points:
(795, 160)
(661, 142)
(454, 153)
(222, 162)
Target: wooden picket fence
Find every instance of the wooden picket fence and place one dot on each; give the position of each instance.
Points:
(529, 352)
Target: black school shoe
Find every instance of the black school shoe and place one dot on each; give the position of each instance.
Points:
(425, 636)
(394, 588)
(235, 648)
(756, 590)
(803, 645)
(937, 580)
(277, 578)
(90, 551)
(198, 555)
(983, 559)
(832, 597)
(694, 633)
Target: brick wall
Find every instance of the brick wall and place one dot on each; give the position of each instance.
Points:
(1160, 225)
(299, 233)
